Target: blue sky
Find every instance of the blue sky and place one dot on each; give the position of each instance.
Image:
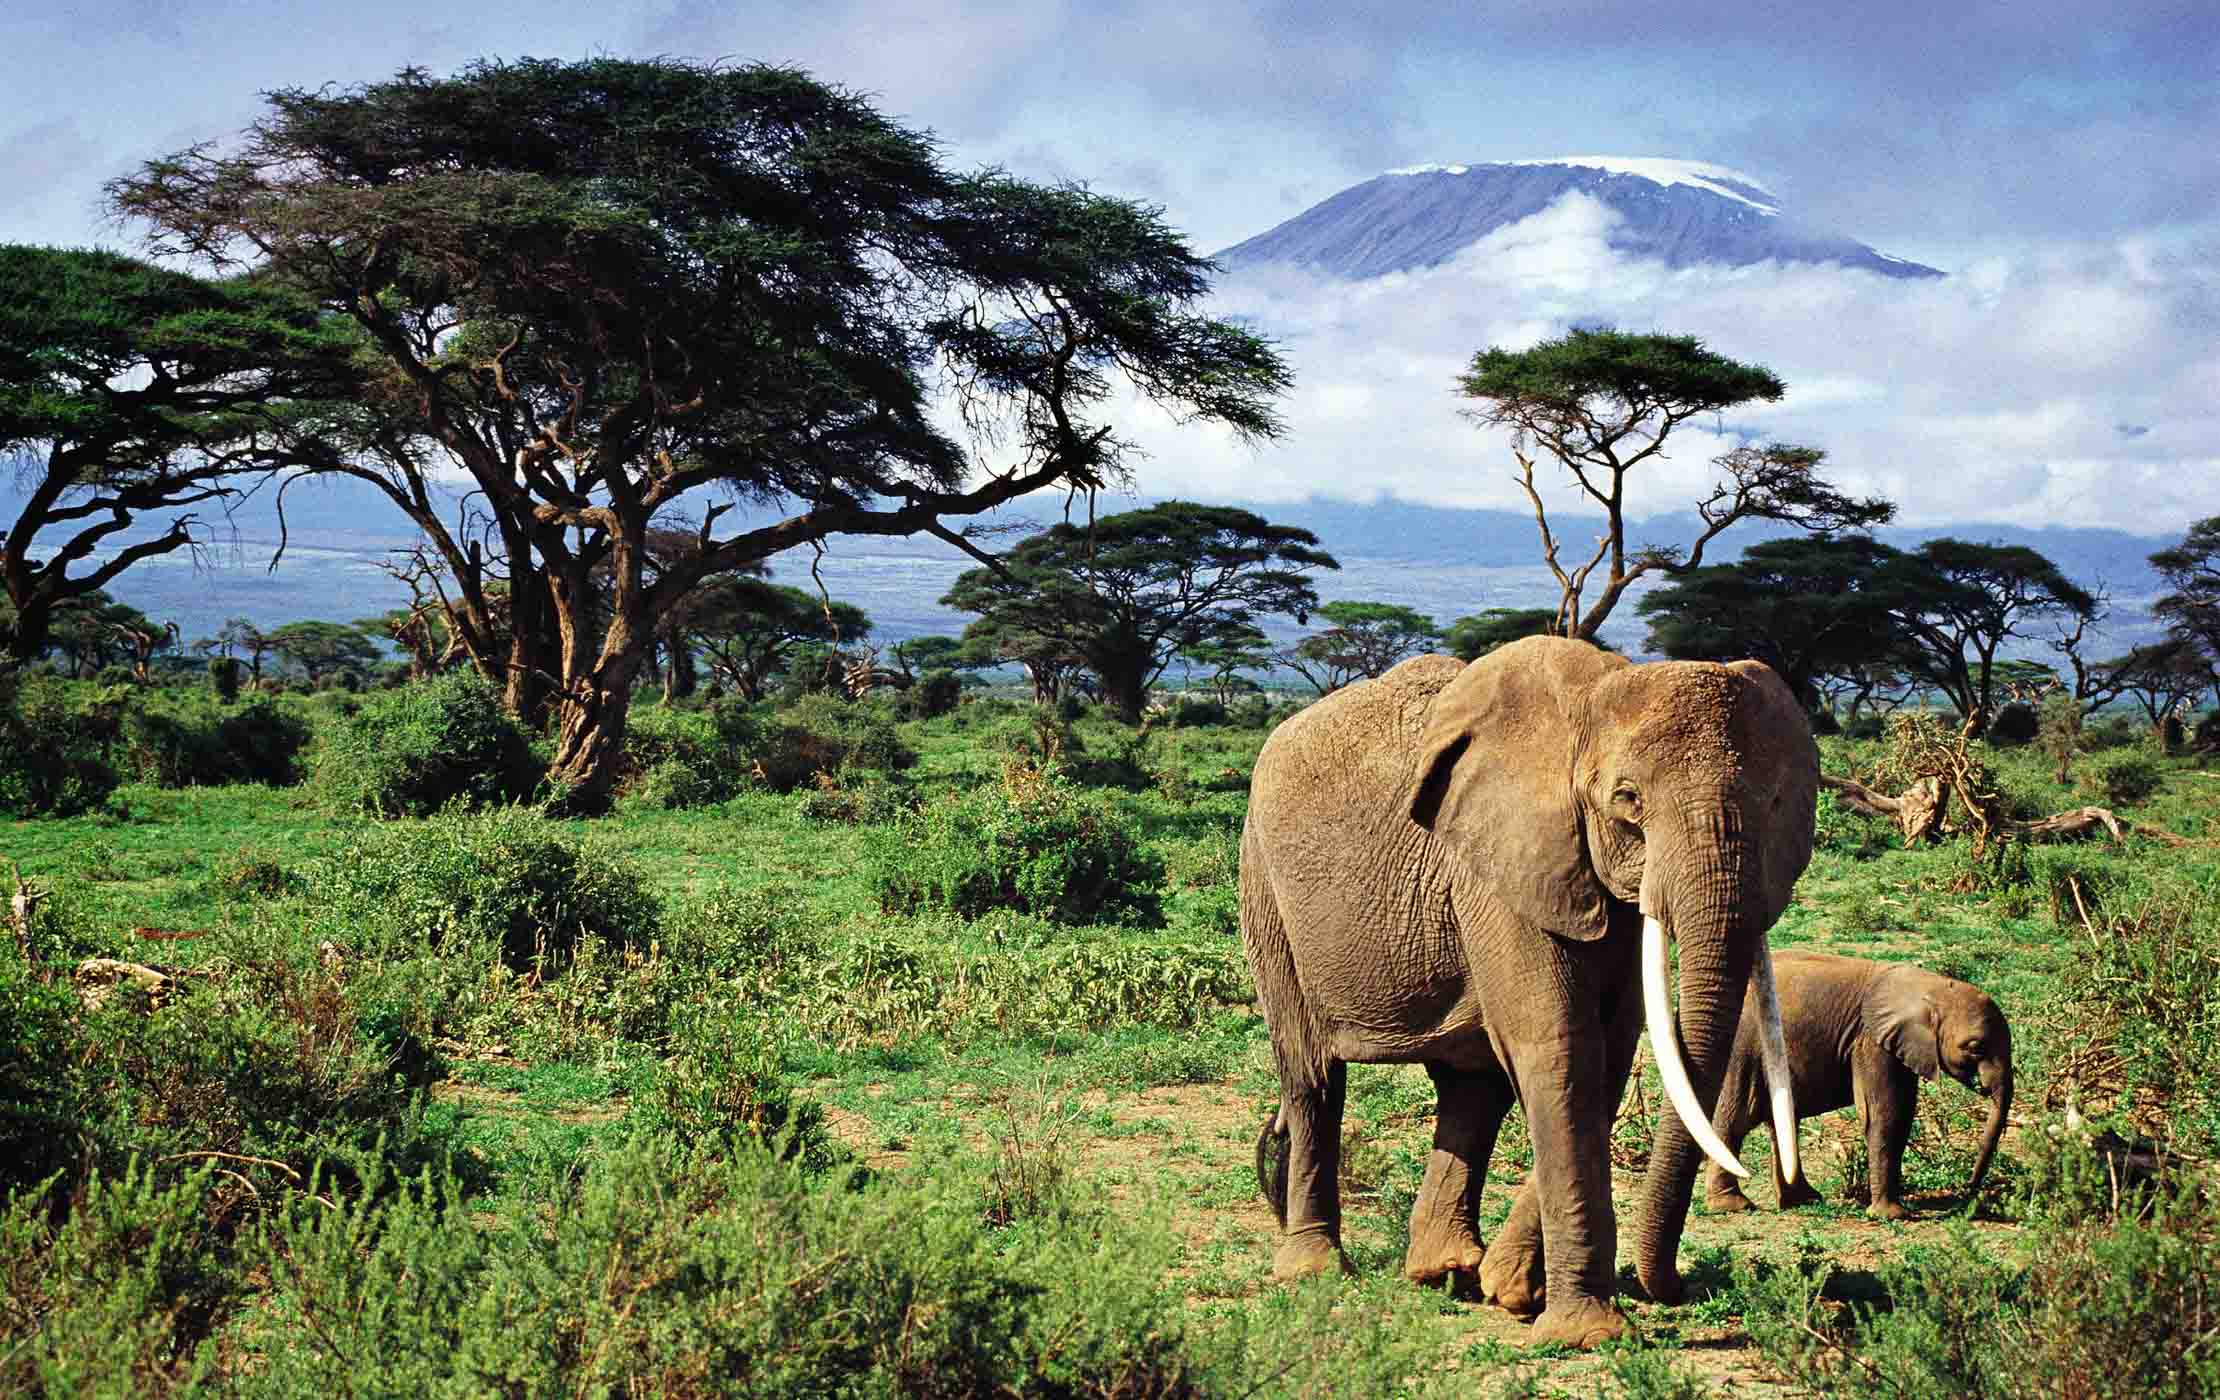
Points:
(2058, 159)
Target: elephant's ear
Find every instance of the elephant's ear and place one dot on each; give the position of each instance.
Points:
(1902, 1018)
(1781, 748)
(1494, 780)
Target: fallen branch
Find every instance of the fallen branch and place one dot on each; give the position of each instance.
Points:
(1917, 814)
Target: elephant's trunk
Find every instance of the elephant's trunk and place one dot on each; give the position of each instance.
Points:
(1709, 909)
(1996, 1077)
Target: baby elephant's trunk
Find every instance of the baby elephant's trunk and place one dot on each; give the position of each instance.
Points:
(1996, 1077)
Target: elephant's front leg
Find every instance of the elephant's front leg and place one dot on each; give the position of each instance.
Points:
(1515, 1273)
(1445, 1226)
(1567, 1089)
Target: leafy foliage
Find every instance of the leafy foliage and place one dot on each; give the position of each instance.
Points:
(1031, 844)
(507, 884)
(1127, 593)
(1361, 642)
(1602, 402)
(54, 754)
(412, 751)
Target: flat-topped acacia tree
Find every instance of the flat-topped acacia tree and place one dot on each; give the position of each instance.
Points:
(127, 388)
(1602, 402)
(615, 293)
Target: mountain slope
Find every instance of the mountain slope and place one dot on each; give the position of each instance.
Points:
(1680, 212)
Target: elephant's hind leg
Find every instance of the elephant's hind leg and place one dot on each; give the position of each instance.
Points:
(1312, 1116)
(1445, 1229)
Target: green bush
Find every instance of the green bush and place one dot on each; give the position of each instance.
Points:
(1849, 833)
(1190, 713)
(1031, 844)
(41, 1100)
(824, 734)
(676, 759)
(195, 740)
(224, 676)
(122, 1292)
(2014, 725)
(2122, 777)
(54, 755)
(936, 693)
(412, 751)
(668, 1273)
(723, 1086)
(506, 882)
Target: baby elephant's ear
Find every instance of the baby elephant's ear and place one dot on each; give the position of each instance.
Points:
(1902, 1018)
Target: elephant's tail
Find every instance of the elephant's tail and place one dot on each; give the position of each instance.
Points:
(1271, 1164)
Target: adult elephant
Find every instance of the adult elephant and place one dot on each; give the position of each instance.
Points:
(1470, 867)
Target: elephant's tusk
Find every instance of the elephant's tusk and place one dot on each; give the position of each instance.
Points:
(1773, 1048)
(1665, 1045)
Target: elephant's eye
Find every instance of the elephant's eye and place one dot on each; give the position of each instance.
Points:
(1626, 804)
(1973, 1047)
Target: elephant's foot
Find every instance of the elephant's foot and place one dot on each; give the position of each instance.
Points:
(1449, 1255)
(1583, 1323)
(1512, 1277)
(1888, 1210)
(1311, 1252)
(1798, 1193)
(1727, 1200)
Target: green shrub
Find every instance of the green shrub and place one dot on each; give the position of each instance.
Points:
(2122, 777)
(676, 760)
(54, 755)
(194, 740)
(936, 693)
(824, 734)
(1189, 713)
(119, 1294)
(665, 1273)
(857, 797)
(224, 676)
(1031, 844)
(722, 1086)
(506, 882)
(41, 1107)
(2013, 725)
(1850, 833)
(411, 751)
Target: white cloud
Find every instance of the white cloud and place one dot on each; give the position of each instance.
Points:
(1991, 395)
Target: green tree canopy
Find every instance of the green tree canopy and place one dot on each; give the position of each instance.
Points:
(319, 649)
(1962, 601)
(1362, 640)
(1602, 402)
(127, 388)
(1809, 607)
(1221, 657)
(750, 627)
(608, 290)
(1470, 638)
(1129, 592)
(2191, 572)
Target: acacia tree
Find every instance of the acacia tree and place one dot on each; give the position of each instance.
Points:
(1128, 592)
(749, 627)
(2163, 678)
(1807, 607)
(2191, 572)
(1223, 656)
(321, 649)
(1602, 403)
(603, 290)
(127, 388)
(1470, 638)
(1959, 602)
(1362, 642)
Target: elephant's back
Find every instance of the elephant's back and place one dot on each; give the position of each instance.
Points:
(1354, 748)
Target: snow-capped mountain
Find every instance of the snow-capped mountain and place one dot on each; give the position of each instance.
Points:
(1678, 211)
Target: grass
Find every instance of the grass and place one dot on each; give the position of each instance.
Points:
(1071, 1084)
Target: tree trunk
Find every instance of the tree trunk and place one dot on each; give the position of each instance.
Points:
(590, 724)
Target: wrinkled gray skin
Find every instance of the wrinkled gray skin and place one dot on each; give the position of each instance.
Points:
(1866, 1033)
(1448, 866)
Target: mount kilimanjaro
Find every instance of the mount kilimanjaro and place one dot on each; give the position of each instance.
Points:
(1680, 212)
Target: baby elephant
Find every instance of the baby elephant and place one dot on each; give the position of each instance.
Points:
(1859, 1032)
